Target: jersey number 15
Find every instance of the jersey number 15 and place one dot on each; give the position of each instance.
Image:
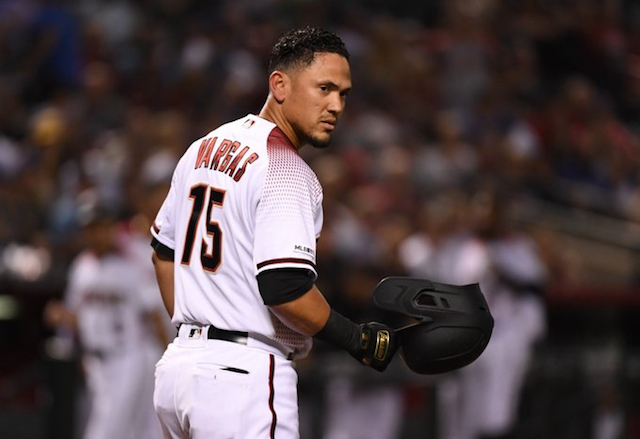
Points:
(210, 255)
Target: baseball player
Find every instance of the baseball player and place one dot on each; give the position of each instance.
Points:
(235, 252)
(110, 304)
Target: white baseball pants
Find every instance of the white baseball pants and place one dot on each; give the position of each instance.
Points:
(215, 389)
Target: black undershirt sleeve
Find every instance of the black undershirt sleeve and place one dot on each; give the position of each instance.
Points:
(162, 250)
(283, 285)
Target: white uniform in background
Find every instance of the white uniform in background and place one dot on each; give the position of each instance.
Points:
(482, 399)
(112, 300)
(241, 201)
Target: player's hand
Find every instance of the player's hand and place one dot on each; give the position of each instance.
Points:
(378, 344)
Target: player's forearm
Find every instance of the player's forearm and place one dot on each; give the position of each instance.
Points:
(164, 275)
(159, 328)
(307, 314)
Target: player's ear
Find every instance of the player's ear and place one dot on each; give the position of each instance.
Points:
(278, 85)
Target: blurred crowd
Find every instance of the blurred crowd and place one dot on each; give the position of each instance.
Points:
(459, 109)
(521, 99)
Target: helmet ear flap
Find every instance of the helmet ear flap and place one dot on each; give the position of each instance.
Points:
(454, 327)
(431, 349)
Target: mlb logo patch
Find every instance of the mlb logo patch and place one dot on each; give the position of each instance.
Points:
(195, 333)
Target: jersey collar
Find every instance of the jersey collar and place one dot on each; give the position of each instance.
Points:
(276, 135)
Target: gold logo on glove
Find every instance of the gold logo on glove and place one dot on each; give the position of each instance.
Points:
(382, 345)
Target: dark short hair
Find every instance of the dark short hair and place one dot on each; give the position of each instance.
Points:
(298, 47)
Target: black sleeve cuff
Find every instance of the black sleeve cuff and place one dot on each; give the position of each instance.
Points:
(162, 250)
(283, 285)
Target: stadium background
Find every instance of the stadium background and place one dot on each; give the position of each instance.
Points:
(532, 105)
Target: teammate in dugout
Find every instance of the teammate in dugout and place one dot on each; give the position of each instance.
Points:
(118, 319)
(235, 258)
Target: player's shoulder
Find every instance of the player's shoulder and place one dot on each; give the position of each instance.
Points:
(83, 262)
(287, 173)
(284, 157)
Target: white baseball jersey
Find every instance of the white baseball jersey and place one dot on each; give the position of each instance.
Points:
(110, 298)
(241, 201)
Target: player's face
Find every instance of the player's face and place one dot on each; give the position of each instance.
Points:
(317, 98)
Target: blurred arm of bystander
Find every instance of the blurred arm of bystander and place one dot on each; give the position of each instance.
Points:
(57, 315)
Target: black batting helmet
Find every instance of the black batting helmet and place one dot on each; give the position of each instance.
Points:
(454, 322)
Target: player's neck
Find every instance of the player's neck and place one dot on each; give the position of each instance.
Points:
(271, 112)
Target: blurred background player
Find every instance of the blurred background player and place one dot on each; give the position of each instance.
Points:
(470, 241)
(114, 311)
(134, 236)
